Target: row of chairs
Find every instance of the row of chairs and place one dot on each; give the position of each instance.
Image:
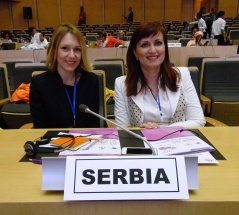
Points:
(17, 33)
(16, 115)
(21, 72)
(216, 79)
(218, 87)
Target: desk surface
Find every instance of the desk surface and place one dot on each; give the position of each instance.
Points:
(20, 183)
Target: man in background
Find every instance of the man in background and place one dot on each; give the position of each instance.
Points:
(82, 16)
(209, 21)
(218, 28)
(130, 17)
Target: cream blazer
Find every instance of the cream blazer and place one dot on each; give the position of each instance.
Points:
(186, 98)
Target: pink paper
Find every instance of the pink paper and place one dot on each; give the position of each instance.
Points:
(165, 133)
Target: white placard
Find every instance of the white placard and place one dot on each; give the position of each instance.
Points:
(125, 178)
(174, 45)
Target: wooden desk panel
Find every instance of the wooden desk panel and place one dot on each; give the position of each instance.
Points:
(178, 55)
(94, 53)
(16, 55)
(219, 51)
(20, 183)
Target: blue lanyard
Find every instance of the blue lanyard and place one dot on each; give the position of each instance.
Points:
(73, 104)
(158, 102)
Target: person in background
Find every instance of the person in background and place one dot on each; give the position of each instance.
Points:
(213, 14)
(130, 17)
(32, 32)
(82, 16)
(209, 21)
(197, 39)
(154, 94)
(43, 41)
(194, 30)
(201, 24)
(218, 28)
(55, 95)
(171, 27)
(122, 36)
(202, 11)
(8, 37)
(186, 26)
(39, 42)
(106, 41)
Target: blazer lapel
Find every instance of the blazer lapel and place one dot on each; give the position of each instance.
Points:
(138, 100)
(173, 99)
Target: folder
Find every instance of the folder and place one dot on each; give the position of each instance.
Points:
(73, 144)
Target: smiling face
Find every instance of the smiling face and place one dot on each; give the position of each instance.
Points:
(150, 52)
(68, 54)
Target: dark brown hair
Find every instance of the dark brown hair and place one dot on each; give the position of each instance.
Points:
(168, 76)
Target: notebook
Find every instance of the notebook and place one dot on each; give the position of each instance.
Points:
(68, 142)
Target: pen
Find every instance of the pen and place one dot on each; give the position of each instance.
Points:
(92, 138)
(91, 144)
(95, 138)
(36, 161)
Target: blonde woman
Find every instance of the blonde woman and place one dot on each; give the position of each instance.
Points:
(56, 94)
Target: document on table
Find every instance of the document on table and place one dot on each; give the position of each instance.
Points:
(185, 145)
(206, 158)
(97, 147)
(177, 140)
(181, 145)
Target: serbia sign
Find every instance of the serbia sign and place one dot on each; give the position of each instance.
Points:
(125, 178)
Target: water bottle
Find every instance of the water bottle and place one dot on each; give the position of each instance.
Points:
(22, 40)
(101, 44)
(26, 46)
(207, 37)
(211, 42)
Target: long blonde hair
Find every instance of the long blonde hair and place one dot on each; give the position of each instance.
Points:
(52, 50)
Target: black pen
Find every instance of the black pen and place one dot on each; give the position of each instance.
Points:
(36, 161)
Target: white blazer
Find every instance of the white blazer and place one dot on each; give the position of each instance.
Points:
(192, 114)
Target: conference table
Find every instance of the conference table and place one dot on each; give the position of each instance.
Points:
(20, 183)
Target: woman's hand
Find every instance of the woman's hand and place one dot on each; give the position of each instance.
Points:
(149, 125)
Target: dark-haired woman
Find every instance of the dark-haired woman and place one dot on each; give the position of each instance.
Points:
(154, 94)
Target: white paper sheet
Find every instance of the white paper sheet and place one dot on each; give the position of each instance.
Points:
(181, 145)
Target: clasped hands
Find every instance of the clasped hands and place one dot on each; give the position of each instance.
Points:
(149, 125)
